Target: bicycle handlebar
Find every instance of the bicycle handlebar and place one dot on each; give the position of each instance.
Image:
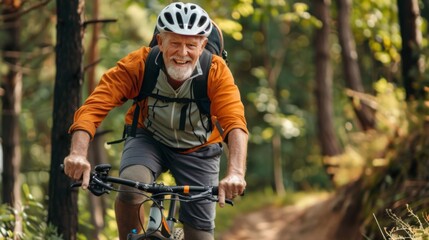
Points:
(100, 183)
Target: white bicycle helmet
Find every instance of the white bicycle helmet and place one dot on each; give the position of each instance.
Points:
(185, 19)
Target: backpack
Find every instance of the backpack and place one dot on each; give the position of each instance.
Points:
(214, 46)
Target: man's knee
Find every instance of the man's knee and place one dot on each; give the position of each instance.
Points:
(137, 173)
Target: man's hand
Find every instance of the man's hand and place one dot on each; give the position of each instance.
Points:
(76, 165)
(230, 187)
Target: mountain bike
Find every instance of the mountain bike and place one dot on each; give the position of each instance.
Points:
(159, 226)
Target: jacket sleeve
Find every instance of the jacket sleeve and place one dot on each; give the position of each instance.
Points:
(116, 86)
(226, 104)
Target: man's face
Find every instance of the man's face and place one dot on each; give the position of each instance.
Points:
(180, 53)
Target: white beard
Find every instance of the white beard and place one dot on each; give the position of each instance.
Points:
(179, 73)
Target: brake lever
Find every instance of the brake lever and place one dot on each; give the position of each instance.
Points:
(207, 195)
(76, 184)
(229, 201)
(96, 186)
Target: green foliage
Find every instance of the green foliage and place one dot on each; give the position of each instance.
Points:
(301, 15)
(7, 218)
(33, 216)
(277, 90)
(374, 22)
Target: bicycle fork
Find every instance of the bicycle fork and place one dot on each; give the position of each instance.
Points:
(157, 221)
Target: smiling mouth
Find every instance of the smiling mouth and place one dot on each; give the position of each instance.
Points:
(180, 62)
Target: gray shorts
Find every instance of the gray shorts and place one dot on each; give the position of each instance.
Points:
(197, 168)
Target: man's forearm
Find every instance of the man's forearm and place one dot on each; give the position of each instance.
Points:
(80, 143)
(237, 146)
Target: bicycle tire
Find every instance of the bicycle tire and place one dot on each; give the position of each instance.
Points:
(178, 234)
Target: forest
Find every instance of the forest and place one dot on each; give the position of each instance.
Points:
(336, 103)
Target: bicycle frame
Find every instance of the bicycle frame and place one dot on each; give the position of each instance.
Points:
(159, 227)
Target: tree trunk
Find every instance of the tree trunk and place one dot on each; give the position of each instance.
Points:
(273, 69)
(325, 118)
(93, 53)
(328, 141)
(97, 153)
(278, 169)
(276, 141)
(11, 100)
(364, 113)
(412, 67)
(63, 202)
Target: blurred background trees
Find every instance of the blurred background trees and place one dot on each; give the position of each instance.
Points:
(334, 92)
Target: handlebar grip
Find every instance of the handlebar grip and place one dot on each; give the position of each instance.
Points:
(215, 191)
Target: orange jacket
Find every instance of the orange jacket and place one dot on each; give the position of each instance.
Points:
(123, 82)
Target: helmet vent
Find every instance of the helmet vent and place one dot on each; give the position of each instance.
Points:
(179, 20)
(160, 23)
(202, 21)
(192, 21)
(169, 18)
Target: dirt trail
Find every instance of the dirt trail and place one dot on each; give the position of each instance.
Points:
(312, 219)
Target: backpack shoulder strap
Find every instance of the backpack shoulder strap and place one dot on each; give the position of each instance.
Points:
(200, 83)
(151, 72)
(200, 89)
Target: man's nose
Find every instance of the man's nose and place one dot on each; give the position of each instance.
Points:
(183, 51)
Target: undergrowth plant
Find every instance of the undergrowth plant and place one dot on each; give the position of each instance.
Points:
(412, 228)
(33, 215)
